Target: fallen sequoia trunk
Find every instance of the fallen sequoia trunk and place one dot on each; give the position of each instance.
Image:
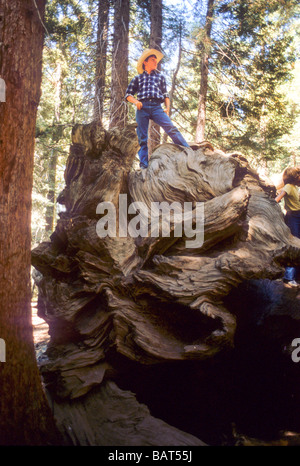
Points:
(145, 298)
(109, 416)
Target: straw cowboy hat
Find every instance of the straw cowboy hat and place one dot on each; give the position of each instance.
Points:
(145, 55)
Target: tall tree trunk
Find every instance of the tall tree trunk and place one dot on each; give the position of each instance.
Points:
(25, 416)
(51, 196)
(206, 44)
(155, 43)
(156, 24)
(101, 52)
(173, 85)
(119, 76)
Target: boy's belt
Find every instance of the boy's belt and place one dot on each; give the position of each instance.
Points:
(158, 101)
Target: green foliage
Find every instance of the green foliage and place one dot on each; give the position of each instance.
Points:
(253, 98)
(252, 52)
(67, 98)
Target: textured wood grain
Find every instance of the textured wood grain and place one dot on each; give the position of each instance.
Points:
(109, 416)
(151, 299)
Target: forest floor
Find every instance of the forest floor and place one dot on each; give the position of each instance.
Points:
(40, 331)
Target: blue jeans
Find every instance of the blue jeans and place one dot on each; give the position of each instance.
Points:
(153, 111)
(292, 219)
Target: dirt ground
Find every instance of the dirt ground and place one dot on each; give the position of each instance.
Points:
(40, 331)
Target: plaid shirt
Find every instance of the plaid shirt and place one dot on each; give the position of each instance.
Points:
(148, 86)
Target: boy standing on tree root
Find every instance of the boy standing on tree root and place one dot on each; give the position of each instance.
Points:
(151, 89)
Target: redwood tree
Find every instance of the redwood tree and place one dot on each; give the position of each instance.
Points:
(155, 43)
(205, 45)
(25, 416)
(101, 55)
(119, 72)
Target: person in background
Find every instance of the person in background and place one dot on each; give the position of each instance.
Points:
(151, 89)
(290, 195)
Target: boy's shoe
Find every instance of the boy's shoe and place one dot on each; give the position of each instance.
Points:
(291, 283)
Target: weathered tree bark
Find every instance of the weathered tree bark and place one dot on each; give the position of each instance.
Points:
(123, 421)
(101, 51)
(119, 72)
(25, 415)
(200, 127)
(151, 298)
(155, 43)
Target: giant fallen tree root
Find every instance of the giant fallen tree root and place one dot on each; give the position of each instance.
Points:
(151, 298)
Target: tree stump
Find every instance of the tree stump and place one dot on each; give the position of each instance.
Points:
(151, 299)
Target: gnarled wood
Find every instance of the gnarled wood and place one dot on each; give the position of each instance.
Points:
(151, 299)
(112, 417)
